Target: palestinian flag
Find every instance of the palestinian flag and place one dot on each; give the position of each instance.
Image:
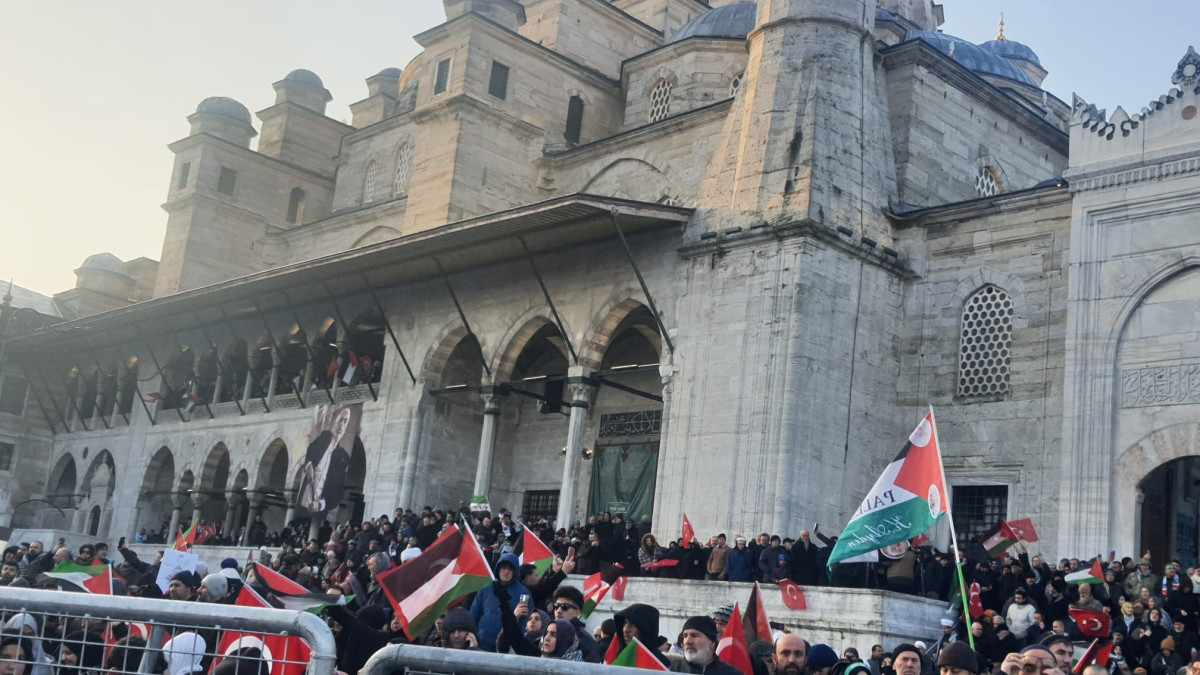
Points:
(734, 646)
(182, 539)
(757, 625)
(291, 595)
(95, 579)
(534, 552)
(422, 589)
(635, 655)
(596, 587)
(906, 501)
(999, 539)
(1094, 575)
(286, 655)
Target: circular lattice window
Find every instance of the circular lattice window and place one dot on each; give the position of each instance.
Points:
(660, 101)
(984, 358)
(736, 84)
(404, 158)
(987, 182)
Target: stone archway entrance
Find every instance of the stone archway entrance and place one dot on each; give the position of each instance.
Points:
(1156, 496)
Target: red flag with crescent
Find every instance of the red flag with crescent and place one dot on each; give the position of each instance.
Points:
(618, 589)
(688, 533)
(1092, 624)
(793, 595)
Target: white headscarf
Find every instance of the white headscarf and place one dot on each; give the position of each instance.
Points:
(184, 653)
(41, 662)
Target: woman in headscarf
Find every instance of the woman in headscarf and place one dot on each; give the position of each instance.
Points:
(561, 642)
(15, 652)
(184, 653)
(79, 652)
(27, 626)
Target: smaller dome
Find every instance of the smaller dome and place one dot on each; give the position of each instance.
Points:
(392, 73)
(104, 261)
(731, 21)
(971, 56)
(223, 105)
(1011, 49)
(305, 76)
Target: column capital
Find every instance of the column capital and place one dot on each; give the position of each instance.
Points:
(492, 396)
(234, 497)
(179, 499)
(256, 500)
(198, 499)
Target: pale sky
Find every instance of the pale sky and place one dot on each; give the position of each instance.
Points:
(95, 91)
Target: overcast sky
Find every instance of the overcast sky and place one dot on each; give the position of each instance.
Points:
(95, 91)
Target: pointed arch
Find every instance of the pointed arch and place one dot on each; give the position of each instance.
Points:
(273, 466)
(102, 461)
(376, 235)
(160, 472)
(605, 327)
(61, 487)
(214, 475)
(519, 337)
(449, 347)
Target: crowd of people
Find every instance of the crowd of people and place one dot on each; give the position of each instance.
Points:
(1020, 622)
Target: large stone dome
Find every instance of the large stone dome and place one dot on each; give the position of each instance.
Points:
(304, 76)
(731, 21)
(1011, 49)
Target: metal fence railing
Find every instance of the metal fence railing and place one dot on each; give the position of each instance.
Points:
(416, 660)
(67, 632)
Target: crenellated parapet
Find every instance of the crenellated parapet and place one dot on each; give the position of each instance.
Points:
(1160, 141)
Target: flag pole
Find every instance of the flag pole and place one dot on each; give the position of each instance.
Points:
(962, 584)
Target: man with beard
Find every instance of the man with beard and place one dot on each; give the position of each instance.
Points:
(700, 648)
(791, 655)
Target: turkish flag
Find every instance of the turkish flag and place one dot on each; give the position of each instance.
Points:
(618, 589)
(732, 648)
(1092, 624)
(285, 655)
(976, 606)
(793, 595)
(688, 533)
(1023, 529)
(207, 532)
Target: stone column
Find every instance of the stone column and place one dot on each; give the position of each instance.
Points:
(275, 359)
(79, 522)
(487, 439)
(198, 501)
(580, 391)
(306, 386)
(177, 502)
(131, 533)
(314, 527)
(233, 503)
(289, 515)
(412, 451)
(220, 382)
(248, 384)
(115, 413)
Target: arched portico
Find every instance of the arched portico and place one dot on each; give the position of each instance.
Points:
(1135, 466)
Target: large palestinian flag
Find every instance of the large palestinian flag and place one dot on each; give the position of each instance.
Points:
(421, 589)
(90, 578)
(906, 500)
(534, 552)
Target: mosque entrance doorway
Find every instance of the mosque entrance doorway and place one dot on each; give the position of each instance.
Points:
(1170, 512)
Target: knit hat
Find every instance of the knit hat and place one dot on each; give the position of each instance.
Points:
(959, 655)
(1168, 643)
(217, 585)
(703, 624)
(821, 656)
(189, 579)
(723, 613)
(1145, 561)
(228, 563)
(459, 619)
(1139, 671)
(900, 649)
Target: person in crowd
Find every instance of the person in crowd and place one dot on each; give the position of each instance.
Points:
(183, 653)
(1167, 661)
(15, 654)
(718, 556)
(822, 659)
(183, 586)
(958, 659)
(700, 648)
(639, 621)
(486, 608)
(1140, 578)
(740, 561)
(26, 626)
(790, 656)
(908, 659)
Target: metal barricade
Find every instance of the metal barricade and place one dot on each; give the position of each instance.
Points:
(65, 632)
(416, 660)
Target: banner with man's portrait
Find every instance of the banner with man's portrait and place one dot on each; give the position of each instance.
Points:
(335, 427)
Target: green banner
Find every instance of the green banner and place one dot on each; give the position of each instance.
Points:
(623, 480)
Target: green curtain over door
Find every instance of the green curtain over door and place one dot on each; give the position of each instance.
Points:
(623, 479)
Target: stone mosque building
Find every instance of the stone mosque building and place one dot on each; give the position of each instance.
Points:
(648, 256)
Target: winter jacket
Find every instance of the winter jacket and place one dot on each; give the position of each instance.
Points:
(486, 607)
(740, 564)
(716, 560)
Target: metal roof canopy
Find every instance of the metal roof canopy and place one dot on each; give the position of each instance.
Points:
(556, 224)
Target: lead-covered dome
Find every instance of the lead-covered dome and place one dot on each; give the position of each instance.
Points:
(1011, 49)
(731, 21)
(223, 105)
(304, 76)
(971, 56)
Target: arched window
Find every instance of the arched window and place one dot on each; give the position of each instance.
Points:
(987, 182)
(404, 158)
(295, 212)
(735, 85)
(371, 182)
(660, 101)
(574, 121)
(985, 352)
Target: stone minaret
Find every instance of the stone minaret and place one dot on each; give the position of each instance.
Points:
(807, 139)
